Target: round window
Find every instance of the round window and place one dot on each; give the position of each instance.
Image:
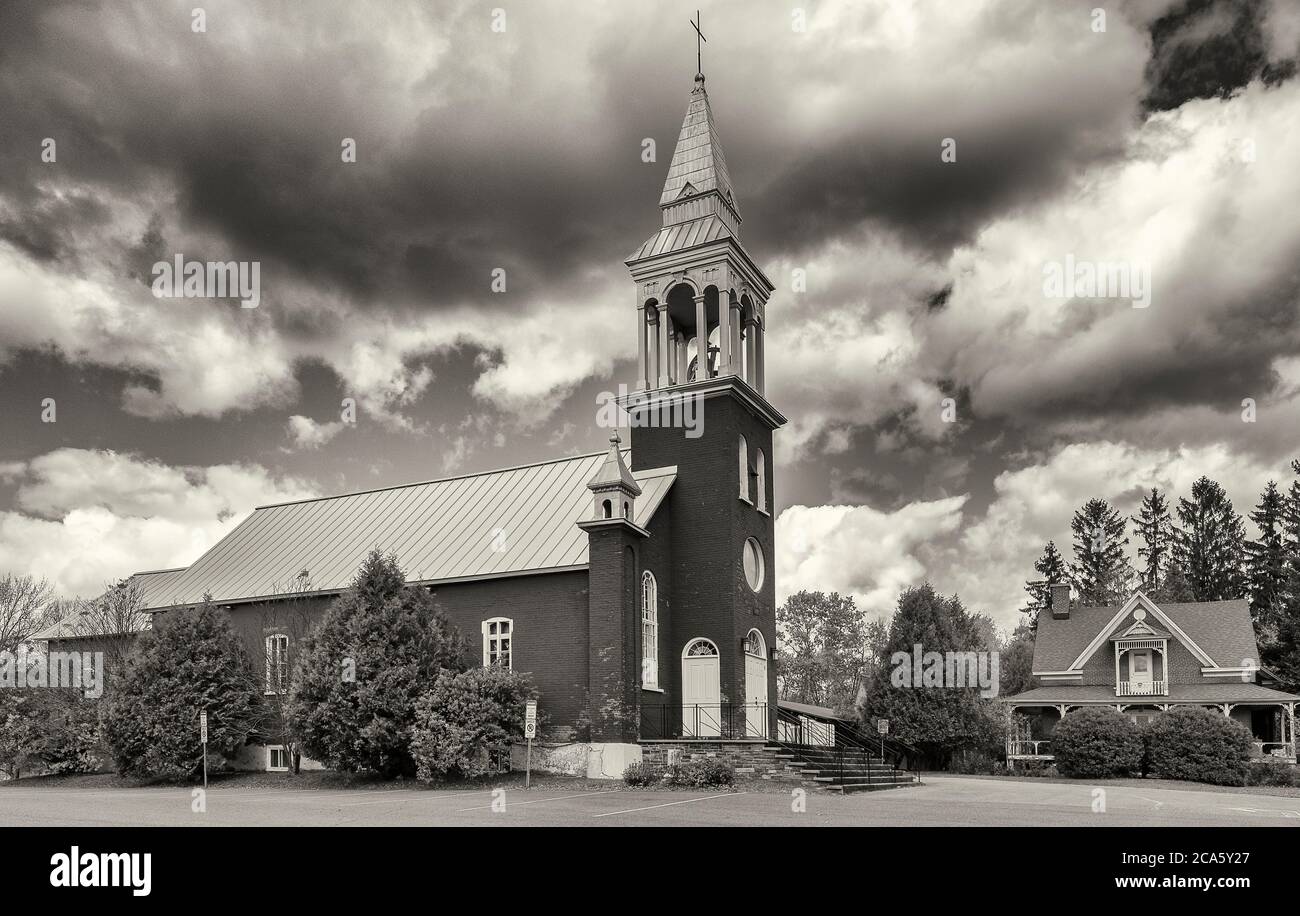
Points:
(753, 560)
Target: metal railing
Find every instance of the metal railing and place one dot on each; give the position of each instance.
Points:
(705, 721)
(804, 742)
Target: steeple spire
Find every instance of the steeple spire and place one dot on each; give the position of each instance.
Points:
(698, 165)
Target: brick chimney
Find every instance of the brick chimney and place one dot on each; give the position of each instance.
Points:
(1060, 592)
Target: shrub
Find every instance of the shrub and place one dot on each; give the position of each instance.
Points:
(195, 660)
(1189, 742)
(972, 762)
(1097, 743)
(465, 720)
(1264, 773)
(360, 674)
(701, 772)
(73, 742)
(641, 774)
(21, 727)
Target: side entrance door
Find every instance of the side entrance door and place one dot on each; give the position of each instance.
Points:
(701, 690)
(756, 717)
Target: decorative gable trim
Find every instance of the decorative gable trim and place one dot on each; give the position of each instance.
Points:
(1150, 607)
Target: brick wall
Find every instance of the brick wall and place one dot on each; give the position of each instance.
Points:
(550, 622)
(709, 525)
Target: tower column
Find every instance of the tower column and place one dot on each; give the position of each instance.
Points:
(760, 357)
(724, 332)
(751, 356)
(663, 346)
(701, 339)
(737, 355)
(640, 346)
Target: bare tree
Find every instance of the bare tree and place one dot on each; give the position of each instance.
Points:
(23, 600)
(111, 622)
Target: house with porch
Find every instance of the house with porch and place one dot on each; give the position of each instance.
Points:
(1143, 658)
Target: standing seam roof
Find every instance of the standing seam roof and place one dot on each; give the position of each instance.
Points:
(511, 521)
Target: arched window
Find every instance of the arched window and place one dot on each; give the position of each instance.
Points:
(744, 469)
(277, 663)
(760, 465)
(498, 642)
(607, 508)
(649, 630)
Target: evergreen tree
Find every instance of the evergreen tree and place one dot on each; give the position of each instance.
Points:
(196, 661)
(1284, 655)
(360, 674)
(1211, 546)
(1101, 569)
(937, 720)
(1155, 527)
(1051, 569)
(1266, 570)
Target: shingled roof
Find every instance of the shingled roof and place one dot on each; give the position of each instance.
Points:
(698, 160)
(1225, 692)
(1222, 629)
(510, 522)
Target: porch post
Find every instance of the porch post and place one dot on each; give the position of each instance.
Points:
(1290, 730)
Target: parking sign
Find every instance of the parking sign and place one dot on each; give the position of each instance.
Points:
(530, 719)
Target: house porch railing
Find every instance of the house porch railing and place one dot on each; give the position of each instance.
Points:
(1282, 751)
(1142, 689)
(1028, 748)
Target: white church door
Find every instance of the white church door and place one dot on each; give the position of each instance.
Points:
(701, 692)
(756, 717)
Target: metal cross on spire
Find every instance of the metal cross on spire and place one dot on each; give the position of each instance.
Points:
(699, 37)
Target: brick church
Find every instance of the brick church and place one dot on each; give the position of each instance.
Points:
(634, 585)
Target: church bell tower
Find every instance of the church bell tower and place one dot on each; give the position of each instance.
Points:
(701, 317)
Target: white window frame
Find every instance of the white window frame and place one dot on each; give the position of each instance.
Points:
(277, 685)
(270, 755)
(744, 470)
(498, 643)
(761, 562)
(649, 631)
(760, 463)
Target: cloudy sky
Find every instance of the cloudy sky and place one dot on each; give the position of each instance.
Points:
(1163, 135)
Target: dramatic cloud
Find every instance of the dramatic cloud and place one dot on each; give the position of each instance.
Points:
(859, 551)
(91, 517)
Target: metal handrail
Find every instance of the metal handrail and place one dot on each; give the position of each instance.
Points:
(899, 754)
(705, 721)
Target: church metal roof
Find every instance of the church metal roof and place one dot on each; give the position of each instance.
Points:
(509, 522)
(680, 236)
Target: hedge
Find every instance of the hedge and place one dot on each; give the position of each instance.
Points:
(1192, 743)
(1097, 743)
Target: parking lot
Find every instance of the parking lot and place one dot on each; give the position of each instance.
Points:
(941, 801)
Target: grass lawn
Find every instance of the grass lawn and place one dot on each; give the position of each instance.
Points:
(321, 780)
(1140, 783)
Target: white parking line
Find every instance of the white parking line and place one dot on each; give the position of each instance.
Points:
(686, 801)
(537, 802)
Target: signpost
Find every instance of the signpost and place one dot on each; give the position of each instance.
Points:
(882, 726)
(203, 737)
(530, 732)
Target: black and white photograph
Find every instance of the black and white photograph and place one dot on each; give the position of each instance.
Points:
(869, 414)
